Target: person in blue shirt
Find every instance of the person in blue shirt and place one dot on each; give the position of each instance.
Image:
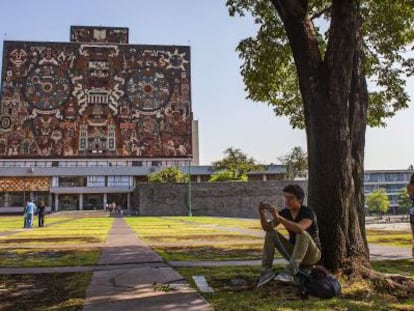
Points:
(29, 212)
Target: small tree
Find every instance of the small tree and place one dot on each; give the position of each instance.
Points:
(378, 202)
(404, 202)
(169, 175)
(226, 176)
(296, 162)
(237, 164)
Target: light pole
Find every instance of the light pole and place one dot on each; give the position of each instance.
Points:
(190, 214)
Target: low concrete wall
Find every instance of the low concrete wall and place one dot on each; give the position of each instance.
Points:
(226, 199)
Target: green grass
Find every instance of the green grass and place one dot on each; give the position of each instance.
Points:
(44, 292)
(210, 252)
(8, 223)
(405, 267)
(73, 232)
(23, 258)
(225, 222)
(155, 229)
(235, 290)
(390, 238)
(22, 249)
(176, 239)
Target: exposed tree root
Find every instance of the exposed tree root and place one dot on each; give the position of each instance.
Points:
(398, 286)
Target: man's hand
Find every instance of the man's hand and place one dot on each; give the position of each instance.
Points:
(267, 226)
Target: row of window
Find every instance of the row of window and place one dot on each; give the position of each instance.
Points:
(92, 163)
(95, 181)
(15, 199)
(388, 177)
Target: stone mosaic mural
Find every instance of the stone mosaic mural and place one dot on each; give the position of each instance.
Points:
(95, 99)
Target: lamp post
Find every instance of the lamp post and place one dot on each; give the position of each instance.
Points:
(190, 214)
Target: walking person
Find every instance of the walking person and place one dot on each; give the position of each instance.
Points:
(30, 210)
(42, 208)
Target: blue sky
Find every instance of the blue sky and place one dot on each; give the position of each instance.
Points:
(225, 117)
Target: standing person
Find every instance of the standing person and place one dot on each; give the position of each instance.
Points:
(410, 190)
(302, 247)
(42, 207)
(30, 210)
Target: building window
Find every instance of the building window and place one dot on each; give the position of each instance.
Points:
(72, 181)
(119, 181)
(96, 181)
(17, 199)
(92, 201)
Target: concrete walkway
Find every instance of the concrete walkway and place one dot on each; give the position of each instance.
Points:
(151, 284)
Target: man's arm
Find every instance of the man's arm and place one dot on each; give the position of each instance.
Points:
(297, 227)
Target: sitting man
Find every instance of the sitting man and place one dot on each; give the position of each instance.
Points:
(303, 245)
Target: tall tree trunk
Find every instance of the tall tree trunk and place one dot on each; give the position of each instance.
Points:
(333, 92)
(358, 111)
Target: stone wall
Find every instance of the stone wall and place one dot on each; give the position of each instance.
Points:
(226, 199)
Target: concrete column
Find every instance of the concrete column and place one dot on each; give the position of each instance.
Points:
(56, 202)
(264, 177)
(128, 201)
(198, 178)
(80, 201)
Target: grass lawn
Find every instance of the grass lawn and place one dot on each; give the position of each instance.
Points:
(390, 238)
(243, 223)
(74, 232)
(22, 249)
(166, 230)
(219, 251)
(8, 223)
(176, 239)
(235, 290)
(41, 292)
(23, 258)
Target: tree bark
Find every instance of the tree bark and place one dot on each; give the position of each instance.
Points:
(334, 97)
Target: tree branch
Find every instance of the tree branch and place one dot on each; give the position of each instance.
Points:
(320, 13)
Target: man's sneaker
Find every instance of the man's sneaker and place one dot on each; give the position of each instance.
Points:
(285, 277)
(265, 277)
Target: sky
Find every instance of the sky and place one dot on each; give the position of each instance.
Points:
(226, 118)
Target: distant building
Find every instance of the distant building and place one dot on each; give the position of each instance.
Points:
(82, 121)
(390, 180)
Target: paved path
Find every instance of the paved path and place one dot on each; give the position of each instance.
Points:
(132, 288)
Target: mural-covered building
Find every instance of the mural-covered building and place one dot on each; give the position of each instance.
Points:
(96, 101)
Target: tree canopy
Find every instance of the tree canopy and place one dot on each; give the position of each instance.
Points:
(269, 70)
(171, 174)
(378, 201)
(296, 163)
(234, 166)
(404, 201)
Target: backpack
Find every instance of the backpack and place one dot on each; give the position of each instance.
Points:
(318, 283)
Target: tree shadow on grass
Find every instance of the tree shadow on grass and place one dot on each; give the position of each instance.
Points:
(78, 240)
(57, 291)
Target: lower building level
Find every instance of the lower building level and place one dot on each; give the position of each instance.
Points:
(91, 185)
